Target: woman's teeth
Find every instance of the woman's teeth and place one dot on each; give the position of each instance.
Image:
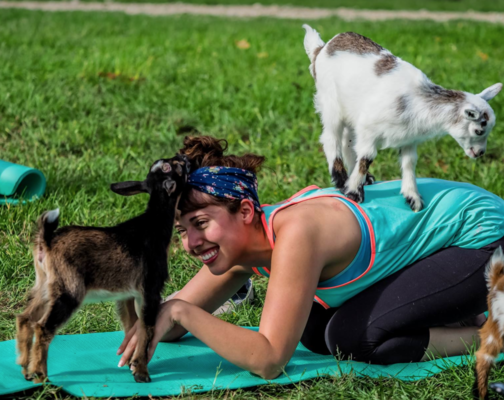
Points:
(208, 256)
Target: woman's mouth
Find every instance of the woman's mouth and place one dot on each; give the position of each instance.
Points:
(210, 255)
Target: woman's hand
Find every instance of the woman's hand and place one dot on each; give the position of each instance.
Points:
(164, 324)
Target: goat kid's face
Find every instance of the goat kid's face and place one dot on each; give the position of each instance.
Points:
(168, 175)
(475, 122)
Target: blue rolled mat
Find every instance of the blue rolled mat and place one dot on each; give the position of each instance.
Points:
(86, 365)
(20, 183)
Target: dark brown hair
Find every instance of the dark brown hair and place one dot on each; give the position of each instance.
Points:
(207, 151)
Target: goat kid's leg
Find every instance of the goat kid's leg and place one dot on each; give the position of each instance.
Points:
(127, 313)
(409, 187)
(138, 364)
(24, 324)
(331, 140)
(58, 312)
(491, 346)
(349, 156)
(354, 188)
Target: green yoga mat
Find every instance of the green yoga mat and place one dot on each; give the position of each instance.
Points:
(86, 365)
(20, 183)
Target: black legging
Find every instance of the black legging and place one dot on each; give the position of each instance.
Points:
(389, 322)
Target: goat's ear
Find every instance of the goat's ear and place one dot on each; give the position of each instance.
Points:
(186, 163)
(473, 115)
(490, 92)
(129, 188)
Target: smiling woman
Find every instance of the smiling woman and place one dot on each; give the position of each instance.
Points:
(371, 281)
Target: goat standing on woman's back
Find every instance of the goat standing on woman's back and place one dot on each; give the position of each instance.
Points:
(126, 263)
(369, 99)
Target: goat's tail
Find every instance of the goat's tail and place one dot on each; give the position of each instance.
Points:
(312, 41)
(491, 333)
(495, 270)
(47, 224)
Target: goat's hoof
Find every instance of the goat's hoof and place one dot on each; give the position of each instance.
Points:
(416, 204)
(339, 179)
(142, 378)
(357, 196)
(36, 377)
(370, 179)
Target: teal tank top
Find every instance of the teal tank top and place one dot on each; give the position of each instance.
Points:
(455, 214)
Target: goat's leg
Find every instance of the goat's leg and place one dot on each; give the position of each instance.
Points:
(491, 346)
(24, 323)
(409, 187)
(59, 311)
(349, 156)
(331, 140)
(366, 153)
(127, 313)
(145, 333)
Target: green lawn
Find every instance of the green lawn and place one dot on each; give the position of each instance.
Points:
(435, 5)
(92, 99)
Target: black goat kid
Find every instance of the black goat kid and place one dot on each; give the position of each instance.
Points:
(126, 263)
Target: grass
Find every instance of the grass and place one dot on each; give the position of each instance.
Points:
(434, 5)
(91, 99)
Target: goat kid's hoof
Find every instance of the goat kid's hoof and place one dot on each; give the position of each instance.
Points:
(141, 375)
(142, 378)
(370, 179)
(416, 204)
(357, 196)
(339, 180)
(36, 377)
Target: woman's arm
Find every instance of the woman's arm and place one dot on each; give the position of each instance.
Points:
(293, 281)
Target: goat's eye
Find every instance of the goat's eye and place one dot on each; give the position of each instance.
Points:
(478, 132)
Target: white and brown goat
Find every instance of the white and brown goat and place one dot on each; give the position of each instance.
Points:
(126, 263)
(369, 99)
(492, 332)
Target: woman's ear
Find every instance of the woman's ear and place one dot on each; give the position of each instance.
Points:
(247, 211)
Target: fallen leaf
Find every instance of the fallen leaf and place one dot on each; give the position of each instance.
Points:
(437, 39)
(441, 164)
(482, 55)
(242, 44)
(262, 55)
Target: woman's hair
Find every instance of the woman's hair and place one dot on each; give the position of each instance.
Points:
(207, 151)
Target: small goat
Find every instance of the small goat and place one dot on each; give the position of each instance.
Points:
(493, 330)
(126, 263)
(368, 99)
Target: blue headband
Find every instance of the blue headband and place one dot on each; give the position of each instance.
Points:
(227, 182)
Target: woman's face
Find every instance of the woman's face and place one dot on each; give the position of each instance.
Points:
(214, 236)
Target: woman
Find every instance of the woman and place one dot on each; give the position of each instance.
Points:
(386, 281)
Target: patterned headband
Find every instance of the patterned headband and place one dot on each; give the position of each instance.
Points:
(227, 182)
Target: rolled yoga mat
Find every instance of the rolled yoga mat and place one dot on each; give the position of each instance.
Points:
(20, 183)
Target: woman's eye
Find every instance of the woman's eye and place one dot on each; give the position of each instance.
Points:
(200, 223)
(181, 232)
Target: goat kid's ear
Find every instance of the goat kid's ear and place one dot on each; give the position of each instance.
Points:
(187, 165)
(473, 115)
(129, 188)
(490, 92)
(170, 186)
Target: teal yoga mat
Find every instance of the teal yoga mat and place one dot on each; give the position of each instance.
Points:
(86, 365)
(20, 183)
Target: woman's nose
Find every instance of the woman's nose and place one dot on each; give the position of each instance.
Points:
(194, 240)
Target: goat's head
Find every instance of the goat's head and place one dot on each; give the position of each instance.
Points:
(168, 175)
(475, 121)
